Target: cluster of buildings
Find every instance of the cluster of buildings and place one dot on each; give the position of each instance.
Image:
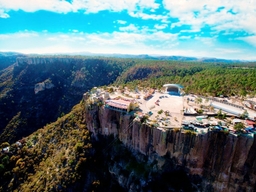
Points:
(117, 102)
(164, 100)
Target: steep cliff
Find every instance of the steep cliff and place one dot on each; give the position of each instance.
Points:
(215, 161)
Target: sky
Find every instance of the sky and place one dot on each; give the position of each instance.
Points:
(199, 28)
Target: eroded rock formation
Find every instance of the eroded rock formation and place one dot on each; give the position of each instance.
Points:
(47, 84)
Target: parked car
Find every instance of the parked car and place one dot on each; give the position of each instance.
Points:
(150, 113)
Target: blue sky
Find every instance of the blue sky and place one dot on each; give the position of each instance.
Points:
(210, 28)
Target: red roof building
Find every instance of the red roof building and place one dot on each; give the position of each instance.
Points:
(250, 123)
(119, 104)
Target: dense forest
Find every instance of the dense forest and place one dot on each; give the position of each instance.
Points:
(52, 159)
(198, 78)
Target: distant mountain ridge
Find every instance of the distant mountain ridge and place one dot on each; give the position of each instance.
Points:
(160, 57)
(8, 58)
(140, 56)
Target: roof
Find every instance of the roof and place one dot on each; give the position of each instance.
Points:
(201, 117)
(236, 121)
(228, 108)
(249, 122)
(173, 85)
(121, 104)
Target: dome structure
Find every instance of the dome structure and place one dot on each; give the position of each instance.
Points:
(173, 89)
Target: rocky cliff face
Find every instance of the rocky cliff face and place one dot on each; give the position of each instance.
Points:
(213, 162)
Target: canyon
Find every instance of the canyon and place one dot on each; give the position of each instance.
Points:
(119, 152)
(36, 90)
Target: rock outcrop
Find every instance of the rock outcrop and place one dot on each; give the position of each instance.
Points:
(222, 161)
(47, 84)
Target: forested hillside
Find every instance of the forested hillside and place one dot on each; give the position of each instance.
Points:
(54, 158)
(199, 78)
(35, 91)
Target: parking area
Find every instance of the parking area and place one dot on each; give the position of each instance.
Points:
(166, 109)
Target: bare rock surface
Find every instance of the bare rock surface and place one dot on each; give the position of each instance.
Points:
(47, 84)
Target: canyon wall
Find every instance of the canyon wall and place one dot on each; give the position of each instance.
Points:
(36, 90)
(224, 162)
(20, 61)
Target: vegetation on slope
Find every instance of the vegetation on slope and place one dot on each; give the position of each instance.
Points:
(198, 78)
(51, 159)
(22, 110)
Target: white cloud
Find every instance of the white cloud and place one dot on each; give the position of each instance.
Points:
(146, 29)
(201, 13)
(184, 37)
(113, 5)
(89, 6)
(139, 42)
(122, 22)
(209, 41)
(161, 36)
(227, 51)
(3, 14)
(196, 13)
(31, 6)
(125, 42)
(189, 30)
(250, 39)
(130, 27)
(163, 26)
(147, 16)
(4, 36)
(19, 35)
(149, 4)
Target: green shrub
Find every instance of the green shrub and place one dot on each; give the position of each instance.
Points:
(1, 168)
(6, 160)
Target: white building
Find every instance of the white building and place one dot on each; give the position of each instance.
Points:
(173, 89)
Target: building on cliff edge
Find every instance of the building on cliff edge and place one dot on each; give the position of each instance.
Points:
(121, 105)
